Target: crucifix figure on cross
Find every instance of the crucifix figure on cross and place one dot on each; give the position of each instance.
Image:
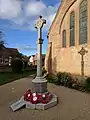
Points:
(82, 53)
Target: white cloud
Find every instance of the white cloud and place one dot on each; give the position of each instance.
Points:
(9, 9)
(35, 8)
(49, 19)
(26, 47)
(26, 18)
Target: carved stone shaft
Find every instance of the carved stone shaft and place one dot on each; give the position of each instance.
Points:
(39, 58)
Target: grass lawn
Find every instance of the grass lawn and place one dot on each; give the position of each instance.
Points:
(6, 77)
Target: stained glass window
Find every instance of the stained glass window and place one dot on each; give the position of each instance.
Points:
(64, 38)
(72, 29)
(83, 22)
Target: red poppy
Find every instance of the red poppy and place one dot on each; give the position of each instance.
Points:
(27, 95)
(34, 98)
(45, 99)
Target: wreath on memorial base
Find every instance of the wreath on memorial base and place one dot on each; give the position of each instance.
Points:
(35, 98)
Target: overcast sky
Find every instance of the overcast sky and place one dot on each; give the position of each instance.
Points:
(17, 19)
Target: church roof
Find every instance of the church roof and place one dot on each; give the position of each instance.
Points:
(55, 17)
(63, 8)
(6, 52)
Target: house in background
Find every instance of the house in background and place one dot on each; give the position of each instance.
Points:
(33, 60)
(69, 32)
(6, 54)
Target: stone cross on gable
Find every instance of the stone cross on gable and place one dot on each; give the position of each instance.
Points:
(82, 53)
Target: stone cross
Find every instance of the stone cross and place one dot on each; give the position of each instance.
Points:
(39, 26)
(82, 53)
(39, 84)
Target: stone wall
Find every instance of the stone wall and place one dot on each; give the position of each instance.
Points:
(67, 59)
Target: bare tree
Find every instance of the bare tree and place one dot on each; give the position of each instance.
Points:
(2, 42)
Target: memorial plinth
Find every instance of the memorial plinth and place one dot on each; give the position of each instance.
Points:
(39, 97)
(39, 85)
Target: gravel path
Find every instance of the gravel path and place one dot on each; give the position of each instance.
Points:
(73, 105)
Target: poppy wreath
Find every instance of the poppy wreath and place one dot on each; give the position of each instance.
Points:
(44, 98)
(27, 95)
(34, 98)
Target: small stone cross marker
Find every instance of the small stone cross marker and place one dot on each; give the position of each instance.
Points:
(82, 53)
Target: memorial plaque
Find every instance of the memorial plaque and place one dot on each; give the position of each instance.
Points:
(17, 105)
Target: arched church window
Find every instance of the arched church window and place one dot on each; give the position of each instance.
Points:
(83, 22)
(72, 28)
(64, 38)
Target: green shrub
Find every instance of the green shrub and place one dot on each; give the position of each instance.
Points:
(60, 79)
(25, 64)
(57, 78)
(69, 80)
(64, 78)
(50, 78)
(75, 86)
(87, 84)
(17, 65)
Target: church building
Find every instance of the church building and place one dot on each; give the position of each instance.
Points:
(69, 32)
